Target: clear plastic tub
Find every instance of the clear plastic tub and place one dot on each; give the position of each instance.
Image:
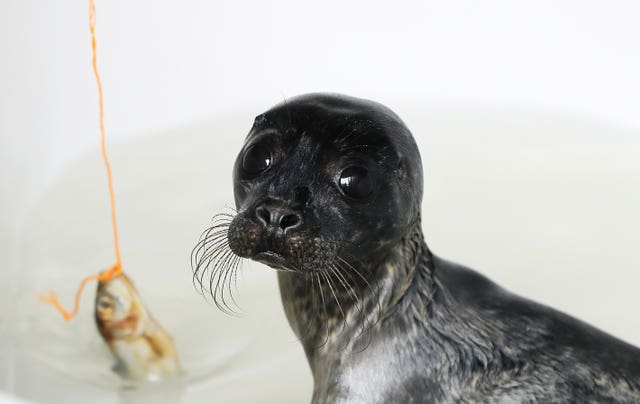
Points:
(545, 204)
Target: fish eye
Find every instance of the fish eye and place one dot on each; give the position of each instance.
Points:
(104, 304)
(355, 182)
(256, 160)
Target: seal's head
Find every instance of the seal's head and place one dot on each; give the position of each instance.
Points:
(323, 178)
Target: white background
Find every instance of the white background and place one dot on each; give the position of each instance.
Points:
(165, 63)
(170, 63)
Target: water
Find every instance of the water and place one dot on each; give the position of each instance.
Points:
(544, 204)
(168, 188)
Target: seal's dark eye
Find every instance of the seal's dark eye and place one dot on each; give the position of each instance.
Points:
(356, 182)
(256, 160)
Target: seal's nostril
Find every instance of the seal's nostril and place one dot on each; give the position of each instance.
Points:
(291, 220)
(263, 215)
(278, 218)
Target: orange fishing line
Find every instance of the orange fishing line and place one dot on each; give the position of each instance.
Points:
(115, 270)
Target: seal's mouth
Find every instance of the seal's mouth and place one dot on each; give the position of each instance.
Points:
(273, 259)
(301, 249)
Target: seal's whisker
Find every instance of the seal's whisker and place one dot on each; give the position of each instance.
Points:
(374, 291)
(214, 247)
(219, 220)
(335, 297)
(215, 231)
(213, 266)
(353, 296)
(228, 275)
(286, 106)
(214, 237)
(231, 208)
(205, 239)
(349, 289)
(219, 227)
(358, 303)
(303, 334)
(326, 316)
(202, 265)
(228, 265)
(196, 253)
(314, 298)
(220, 270)
(219, 300)
(335, 272)
(367, 324)
(351, 267)
(201, 251)
(234, 270)
(211, 258)
(222, 216)
(222, 280)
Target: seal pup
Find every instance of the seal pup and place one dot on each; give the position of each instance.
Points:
(143, 350)
(328, 190)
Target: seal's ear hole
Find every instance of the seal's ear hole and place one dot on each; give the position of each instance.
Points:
(401, 170)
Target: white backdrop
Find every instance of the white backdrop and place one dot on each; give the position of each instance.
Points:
(167, 64)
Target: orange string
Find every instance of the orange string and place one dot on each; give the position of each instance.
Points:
(52, 299)
(115, 270)
(114, 222)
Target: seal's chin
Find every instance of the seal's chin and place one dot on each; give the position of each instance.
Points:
(274, 260)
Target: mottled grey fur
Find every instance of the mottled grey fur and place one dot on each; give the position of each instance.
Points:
(444, 333)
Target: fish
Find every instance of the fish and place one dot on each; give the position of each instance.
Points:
(143, 349)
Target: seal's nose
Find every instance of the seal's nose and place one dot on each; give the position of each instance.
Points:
(278, 218)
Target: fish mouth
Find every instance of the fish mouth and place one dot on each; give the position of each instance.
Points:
(273, 259)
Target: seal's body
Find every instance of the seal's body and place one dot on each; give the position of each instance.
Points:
(328, 190)
(471, 342)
